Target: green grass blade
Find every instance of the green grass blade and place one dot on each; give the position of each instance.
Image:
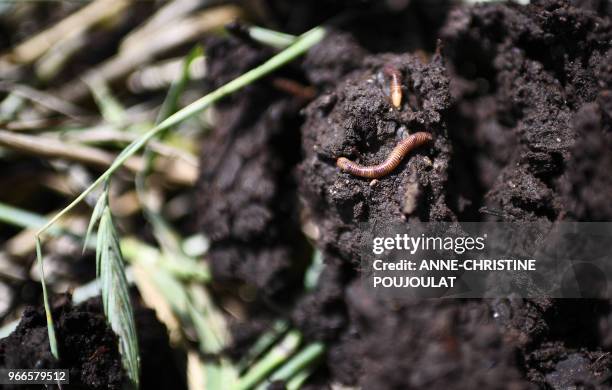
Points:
(298, 380)
(18, 217)
(171, 102)
(311, 278)
(301, 361)
(279, 354)
(263, 343)
(110, 108)
(50, 325)
(95, 217)
(271, 38)
(10, 107)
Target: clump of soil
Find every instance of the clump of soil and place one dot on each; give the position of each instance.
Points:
(88, 347)
(521, 74)
(246, 191)
(586, 183)
(356, 120)
(439, 344)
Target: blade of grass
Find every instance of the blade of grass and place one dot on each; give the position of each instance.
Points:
(112, 111)
(7, 329)
(171, 102)
(10, 106)
(301, 361)
(271, 38)
(18, 217)
(192, 306)
(50, 326)
(263, 343)
(279, 353)
(95, 217)
(314, 271)
(302, 44)
(298, 380)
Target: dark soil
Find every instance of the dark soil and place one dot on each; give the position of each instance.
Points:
(518, 99)
(88, 348)
(246, 191)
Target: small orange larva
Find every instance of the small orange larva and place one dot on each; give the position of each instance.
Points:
(392, 161)
(395, 89)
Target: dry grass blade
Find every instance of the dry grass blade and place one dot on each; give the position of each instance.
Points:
(167, 14)
(184, 173)
(73, 25)
(44, 99)
(163, 40)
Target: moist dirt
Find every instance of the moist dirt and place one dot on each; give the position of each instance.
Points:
(518, 100)
(88, 348)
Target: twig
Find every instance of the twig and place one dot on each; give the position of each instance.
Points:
(36, 124)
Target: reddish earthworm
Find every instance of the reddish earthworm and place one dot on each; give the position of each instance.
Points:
(395, 90)
(393, 159)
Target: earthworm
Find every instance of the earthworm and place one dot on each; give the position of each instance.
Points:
(393, 159)
(395, 90)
